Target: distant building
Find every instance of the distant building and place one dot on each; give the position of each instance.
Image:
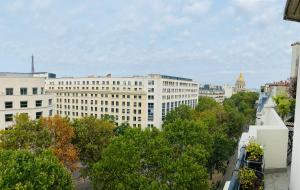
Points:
(277, 88)
(213, 91)
(228, 90)
(141, 101)
(24, 93)
(240, 84)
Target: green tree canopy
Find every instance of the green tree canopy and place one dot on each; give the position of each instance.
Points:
(21, 169)
(145, 160)
(92, 135)
(206, 103)
(182, 112)
(183, 133)
(244, 103)
(284, 105)
(26, 134)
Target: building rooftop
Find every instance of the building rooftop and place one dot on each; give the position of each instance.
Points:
(292, 10)
(135, 76)
(22, 75)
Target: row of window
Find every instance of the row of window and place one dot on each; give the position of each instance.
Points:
(94, 88)
(10, 117)
(23, 91)
(169, 97)
(166, 107)
(116, 117)
(182, 84)
(179, 90)
(102, 109)
(24, 104)
(128, 83)
(95, 102)
(101, 95)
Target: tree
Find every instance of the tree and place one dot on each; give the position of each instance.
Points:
(223, 148)
(182, 112)
(183, 133)
(293, 87)
(145, 160)
(244, 103)
(234, 123)
(62, 133)
(26, 134)
(91, 137)
(284, 105)
(206, 103)
(212, 118)
(120, 129)
(21, 169)
(188, 174)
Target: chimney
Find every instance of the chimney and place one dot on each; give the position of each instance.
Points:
(32, 64)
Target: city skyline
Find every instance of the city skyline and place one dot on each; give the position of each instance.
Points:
(208, 41)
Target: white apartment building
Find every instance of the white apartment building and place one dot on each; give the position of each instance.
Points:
(141, 101)
(24, 93)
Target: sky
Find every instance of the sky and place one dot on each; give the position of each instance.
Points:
(210, 41)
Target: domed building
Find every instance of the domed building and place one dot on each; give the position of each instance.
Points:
(240, 84)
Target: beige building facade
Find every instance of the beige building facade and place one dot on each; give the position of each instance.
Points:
(24, 93)
(141, 101)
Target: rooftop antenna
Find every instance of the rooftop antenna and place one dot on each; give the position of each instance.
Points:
(32, 64)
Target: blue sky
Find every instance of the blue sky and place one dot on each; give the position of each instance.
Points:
(210, 41)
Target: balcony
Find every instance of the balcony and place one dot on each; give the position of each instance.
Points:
(272, 134)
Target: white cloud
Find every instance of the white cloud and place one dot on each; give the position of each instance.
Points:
(42, 4)
(268, 17)
(16, 6)
(250, 5)
(176, 21)
(197, 7)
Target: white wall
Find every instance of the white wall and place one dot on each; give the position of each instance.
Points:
(295, 166)
(274, 140)
(295, 59)
(272, 134)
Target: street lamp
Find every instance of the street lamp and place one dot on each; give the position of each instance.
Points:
(292, 10)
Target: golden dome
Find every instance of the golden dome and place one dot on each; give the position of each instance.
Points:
(241, 77)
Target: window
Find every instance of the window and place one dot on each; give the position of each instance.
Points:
(150, 97)
(23, 91)
(50, 112)
(9, 91)
(23, 104)
(38, 114)
(151, 82)
(8, 117)
(8, 104)
(150, 111)
(34, 90)
(50, 102)
(38, 103)
(150, 89)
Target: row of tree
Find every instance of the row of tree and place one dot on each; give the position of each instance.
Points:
(192, 145)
